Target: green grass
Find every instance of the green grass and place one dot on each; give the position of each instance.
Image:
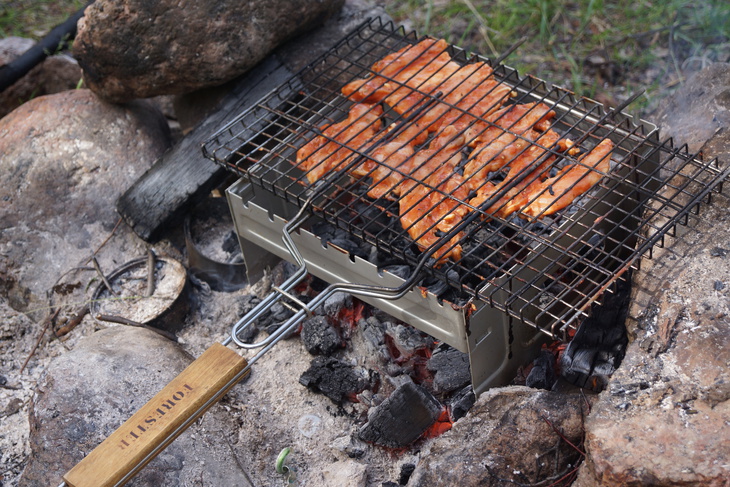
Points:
(597, 48)
(650, 45)
(34, 18)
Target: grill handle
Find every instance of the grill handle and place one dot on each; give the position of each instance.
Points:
(118, 458)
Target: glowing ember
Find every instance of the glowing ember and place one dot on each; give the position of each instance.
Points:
(441, 426)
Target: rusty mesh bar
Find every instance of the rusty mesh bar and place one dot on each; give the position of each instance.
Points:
(544, 270)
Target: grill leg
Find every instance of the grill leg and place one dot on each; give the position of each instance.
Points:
(498, 346)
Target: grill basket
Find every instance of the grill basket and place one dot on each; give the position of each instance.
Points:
(541, 272)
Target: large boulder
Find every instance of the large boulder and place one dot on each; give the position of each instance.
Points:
(64, 160)
(512, 435)
(110, 375)
(55, 74)
(137, 49)
(664, 419)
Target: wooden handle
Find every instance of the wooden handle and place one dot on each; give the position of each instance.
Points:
(156, 424)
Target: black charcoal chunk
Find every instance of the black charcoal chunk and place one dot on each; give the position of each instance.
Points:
(407, 340)
(406, 470)
(462, 402)
(336, 379)
(401, 418)
(320, 337)
(542, 375)
(402, 271)
(718, 252)
(335, 303)
(245, 305)
(450, 368)
(275, 318)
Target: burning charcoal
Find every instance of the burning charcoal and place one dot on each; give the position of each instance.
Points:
(275, 318)
(462, 402)
(246, 304)
(477, 249)
(601, 338)
(455, 296)
(282, 271)
(439, 287)
(540, 227)
(542, 374)
(323, 230)
(450, 368)
(336, 379)
(340, 238)
(603, 369)
(335, 303)
(577, 361)
(435, 286)
(402, 418)
(373, 331)
(406, 341)
(320, 337)
(350, 246)
(394, 370)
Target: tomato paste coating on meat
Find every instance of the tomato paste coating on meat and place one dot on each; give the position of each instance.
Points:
(415, 65)
(433, 191)
(339, 141)
(462, 109)
(556, 193)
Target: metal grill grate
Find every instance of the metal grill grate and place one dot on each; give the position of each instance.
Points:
(542, 270)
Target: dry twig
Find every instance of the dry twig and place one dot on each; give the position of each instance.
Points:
(73, 322)
(47, 322)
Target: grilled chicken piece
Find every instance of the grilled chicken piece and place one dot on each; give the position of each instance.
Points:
(496, 145)
(528, 168)
(384, 161)
(413, 65)
(335, 147)
(466, 109)
(431, 197)
(556, 193)
(465, 94)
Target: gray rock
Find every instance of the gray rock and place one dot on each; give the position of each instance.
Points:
(110, 375)
(55, 74)
(136, 49)
(665, 417)
(506, 439)
(64, 160)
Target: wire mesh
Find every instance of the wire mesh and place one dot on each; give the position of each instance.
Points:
(544, 269)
